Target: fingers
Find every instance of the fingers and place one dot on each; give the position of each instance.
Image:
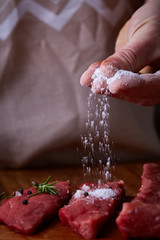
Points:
(142, 89)
(100, 79)
(86, 78)
(122, 38)
(96, 80)
(132, 57)
(137, 48)
(147, 69)
(137, 44)
(99, 84)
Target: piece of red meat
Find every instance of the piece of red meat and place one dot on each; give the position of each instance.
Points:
(141, 217)
(91, 206)
(26, 218)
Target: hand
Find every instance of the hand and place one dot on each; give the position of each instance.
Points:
(137, 51)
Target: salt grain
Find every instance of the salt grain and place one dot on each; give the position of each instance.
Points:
(85, 188)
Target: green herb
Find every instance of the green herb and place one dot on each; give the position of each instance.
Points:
(45, 187)
(2, 195)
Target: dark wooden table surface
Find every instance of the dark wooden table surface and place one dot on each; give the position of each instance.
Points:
(16, 179)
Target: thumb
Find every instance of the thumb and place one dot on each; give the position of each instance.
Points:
(134, 56)
(139, 41)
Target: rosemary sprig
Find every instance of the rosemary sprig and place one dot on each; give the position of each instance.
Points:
(44, 187)
(2, 195)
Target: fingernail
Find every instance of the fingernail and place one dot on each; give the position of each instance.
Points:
(83, 78)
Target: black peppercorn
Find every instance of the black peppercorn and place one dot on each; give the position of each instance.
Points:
(21, 191)
(25, 201)
(86, 194)
(29, 192)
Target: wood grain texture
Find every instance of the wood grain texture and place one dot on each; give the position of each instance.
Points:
(19, 179)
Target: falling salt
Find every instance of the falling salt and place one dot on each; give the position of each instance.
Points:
(103, 115)
(85, 142)
(92, 124)
(101, 123)
(97, 133)
(97, 157)
(100, 162)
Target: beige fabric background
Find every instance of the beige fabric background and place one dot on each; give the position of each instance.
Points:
(45, 45)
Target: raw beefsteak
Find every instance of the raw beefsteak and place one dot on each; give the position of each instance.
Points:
(27, 217)
(91, 206)
(141, 217)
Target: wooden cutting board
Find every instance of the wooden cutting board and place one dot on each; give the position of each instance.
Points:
(20, 179)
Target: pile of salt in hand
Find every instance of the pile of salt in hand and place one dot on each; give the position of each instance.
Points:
(97, 159)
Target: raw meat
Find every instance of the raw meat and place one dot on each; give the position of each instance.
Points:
(141, 217)
(91, 206)
(25, 214)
